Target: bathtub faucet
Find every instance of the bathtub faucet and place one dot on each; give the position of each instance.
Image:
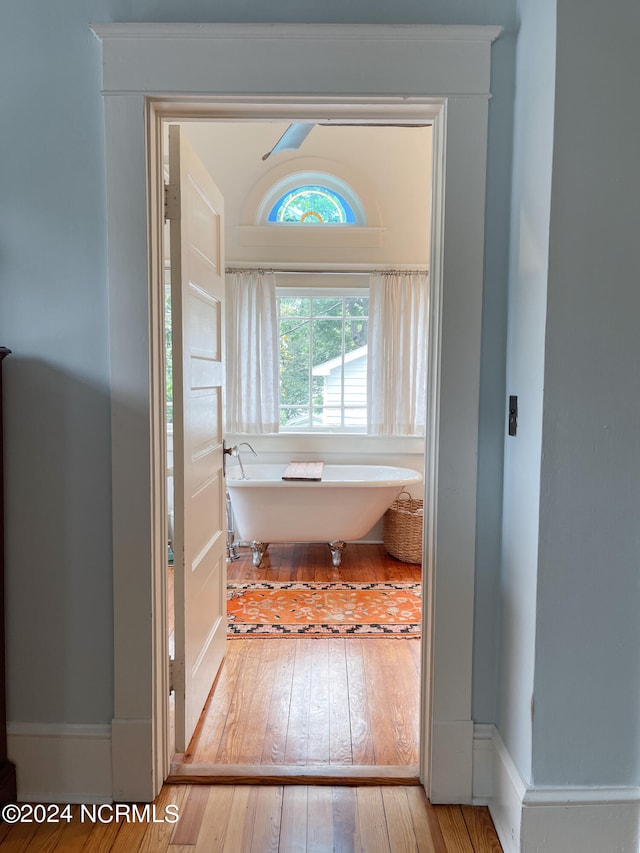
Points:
(235, 451)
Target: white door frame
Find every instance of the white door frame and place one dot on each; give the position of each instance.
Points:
(151, 71)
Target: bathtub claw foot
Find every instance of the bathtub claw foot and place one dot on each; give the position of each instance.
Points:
(337, 547)
(258, 550)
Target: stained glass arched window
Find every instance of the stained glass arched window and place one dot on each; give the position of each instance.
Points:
(312, 204)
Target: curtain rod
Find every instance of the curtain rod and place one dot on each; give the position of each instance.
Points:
(344, 271)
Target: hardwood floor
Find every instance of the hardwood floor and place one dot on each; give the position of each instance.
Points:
(305, 701)
(313, 702)
(361, 563)
(334, 704)
(302, 706)
(271, 819)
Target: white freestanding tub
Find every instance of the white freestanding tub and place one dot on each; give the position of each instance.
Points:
(343, 506)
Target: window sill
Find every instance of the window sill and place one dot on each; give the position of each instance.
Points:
(343, 443)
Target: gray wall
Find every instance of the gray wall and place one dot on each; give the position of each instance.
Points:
(533, 145)
(586, 726)
(569, 707)
(53, 315)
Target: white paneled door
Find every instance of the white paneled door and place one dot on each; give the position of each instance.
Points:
(195, 210)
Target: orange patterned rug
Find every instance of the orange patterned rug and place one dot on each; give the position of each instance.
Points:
(297, 609)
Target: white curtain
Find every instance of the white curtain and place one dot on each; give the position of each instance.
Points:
(397, 353)
(252, 352)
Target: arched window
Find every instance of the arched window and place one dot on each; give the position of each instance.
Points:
(313, 205)
(311, 198)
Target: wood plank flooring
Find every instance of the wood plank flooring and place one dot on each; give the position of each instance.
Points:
(363, 716)
(361, 563)
(314, 702)
(272, 819)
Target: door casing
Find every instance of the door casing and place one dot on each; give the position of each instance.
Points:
(155, 72)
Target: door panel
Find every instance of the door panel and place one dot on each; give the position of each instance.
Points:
(197, 290)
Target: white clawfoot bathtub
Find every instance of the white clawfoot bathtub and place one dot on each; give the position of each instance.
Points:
(343, 506)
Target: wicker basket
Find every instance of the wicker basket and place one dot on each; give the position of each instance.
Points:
(402, 528)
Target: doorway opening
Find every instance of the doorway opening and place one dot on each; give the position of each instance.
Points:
(392, 168)
(240, 72)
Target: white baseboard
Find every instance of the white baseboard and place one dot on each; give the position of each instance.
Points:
(132, 751)
(507, 797)
(452, 762)
(483, 758)
(61, 763)
(529, 819)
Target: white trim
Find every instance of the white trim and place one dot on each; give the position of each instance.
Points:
(61, 763)
(132, 756)
(295, 234)
(429, 663)
(581, 796)
(154, 71)
(335, 32)
(507, 797)
(175, 59)
(451, 762)
(483, 758)
(555, 819)
(81, 730)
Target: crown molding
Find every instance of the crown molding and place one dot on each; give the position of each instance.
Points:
(342, 32)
